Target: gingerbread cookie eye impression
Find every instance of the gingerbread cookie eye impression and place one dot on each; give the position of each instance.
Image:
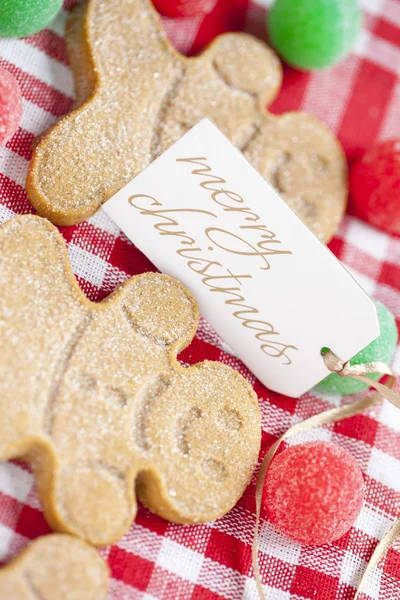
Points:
(137, 96)
(94, 398)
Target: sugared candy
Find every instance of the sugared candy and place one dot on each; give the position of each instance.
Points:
(313, 492)
(313, 34)
(382, 349)
(184, 8)
(375, 186)
(10, 105)
(19, 18)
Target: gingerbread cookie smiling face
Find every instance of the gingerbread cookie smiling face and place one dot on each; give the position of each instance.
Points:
(137, 96)
(94, 398)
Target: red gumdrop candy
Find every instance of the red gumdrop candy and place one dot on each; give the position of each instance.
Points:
(313, 492)
(184, 8)
(375, 186)
(10, 105)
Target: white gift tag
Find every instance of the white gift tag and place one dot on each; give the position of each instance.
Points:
(262, 279)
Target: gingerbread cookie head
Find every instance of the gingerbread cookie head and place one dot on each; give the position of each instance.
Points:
(137, 96)
(104, 405)
(55, 566)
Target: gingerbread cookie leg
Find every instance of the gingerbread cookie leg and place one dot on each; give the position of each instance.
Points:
(55, 567)
(211, 435)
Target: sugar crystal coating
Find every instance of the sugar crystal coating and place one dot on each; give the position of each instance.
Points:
(313, 492)
(19, 18)
(374, 186)
(137, 95)
(184, 8)
(382, 349)
(313, 34)
(10, 105)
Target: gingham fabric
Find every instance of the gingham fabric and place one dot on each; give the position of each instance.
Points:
(360, 102)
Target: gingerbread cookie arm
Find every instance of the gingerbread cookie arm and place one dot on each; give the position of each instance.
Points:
(55, 566)
(246, 65)
(38, 297)
(95, 150)
(305, 163)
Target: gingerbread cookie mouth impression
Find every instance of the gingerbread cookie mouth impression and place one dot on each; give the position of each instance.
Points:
(138, 95)
(94, 398)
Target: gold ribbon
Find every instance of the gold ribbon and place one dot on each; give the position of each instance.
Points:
(344, 369)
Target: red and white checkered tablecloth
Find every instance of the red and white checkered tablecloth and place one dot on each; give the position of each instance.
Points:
(360, 102)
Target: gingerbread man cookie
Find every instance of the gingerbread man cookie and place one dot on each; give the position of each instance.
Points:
(138, 95)
(55, 567)
(93, 397)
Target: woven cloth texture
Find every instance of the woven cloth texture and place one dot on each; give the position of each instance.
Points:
(360, 101)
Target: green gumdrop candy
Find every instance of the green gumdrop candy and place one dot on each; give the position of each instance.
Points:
(313, 34)
(19, 18)
(382, 349)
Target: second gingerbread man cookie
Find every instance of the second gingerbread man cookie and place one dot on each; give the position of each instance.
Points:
(138, 95)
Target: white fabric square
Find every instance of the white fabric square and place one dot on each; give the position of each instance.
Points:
(320, 434)
(87, 265)
(37, 63)
(250, 592)
(6, 535)
(5, 214)
(141, 541)
(384, 468)
(13, 165)
(352, 569)
(221, 579)
(373, 585)
(333, 399)
(36, 120)
(101, 220)
(373, 523)
(122, 591)
(274, 544)
(182, 561)
(390, 415)
(15, 481)
(368, 239)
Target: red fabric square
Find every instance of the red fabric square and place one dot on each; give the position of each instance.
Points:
(202, 593)
(129, 568)
(390, 275)
(392, 563)
(359, 427)
(229, 551)
(31, 523)
(309, 583)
